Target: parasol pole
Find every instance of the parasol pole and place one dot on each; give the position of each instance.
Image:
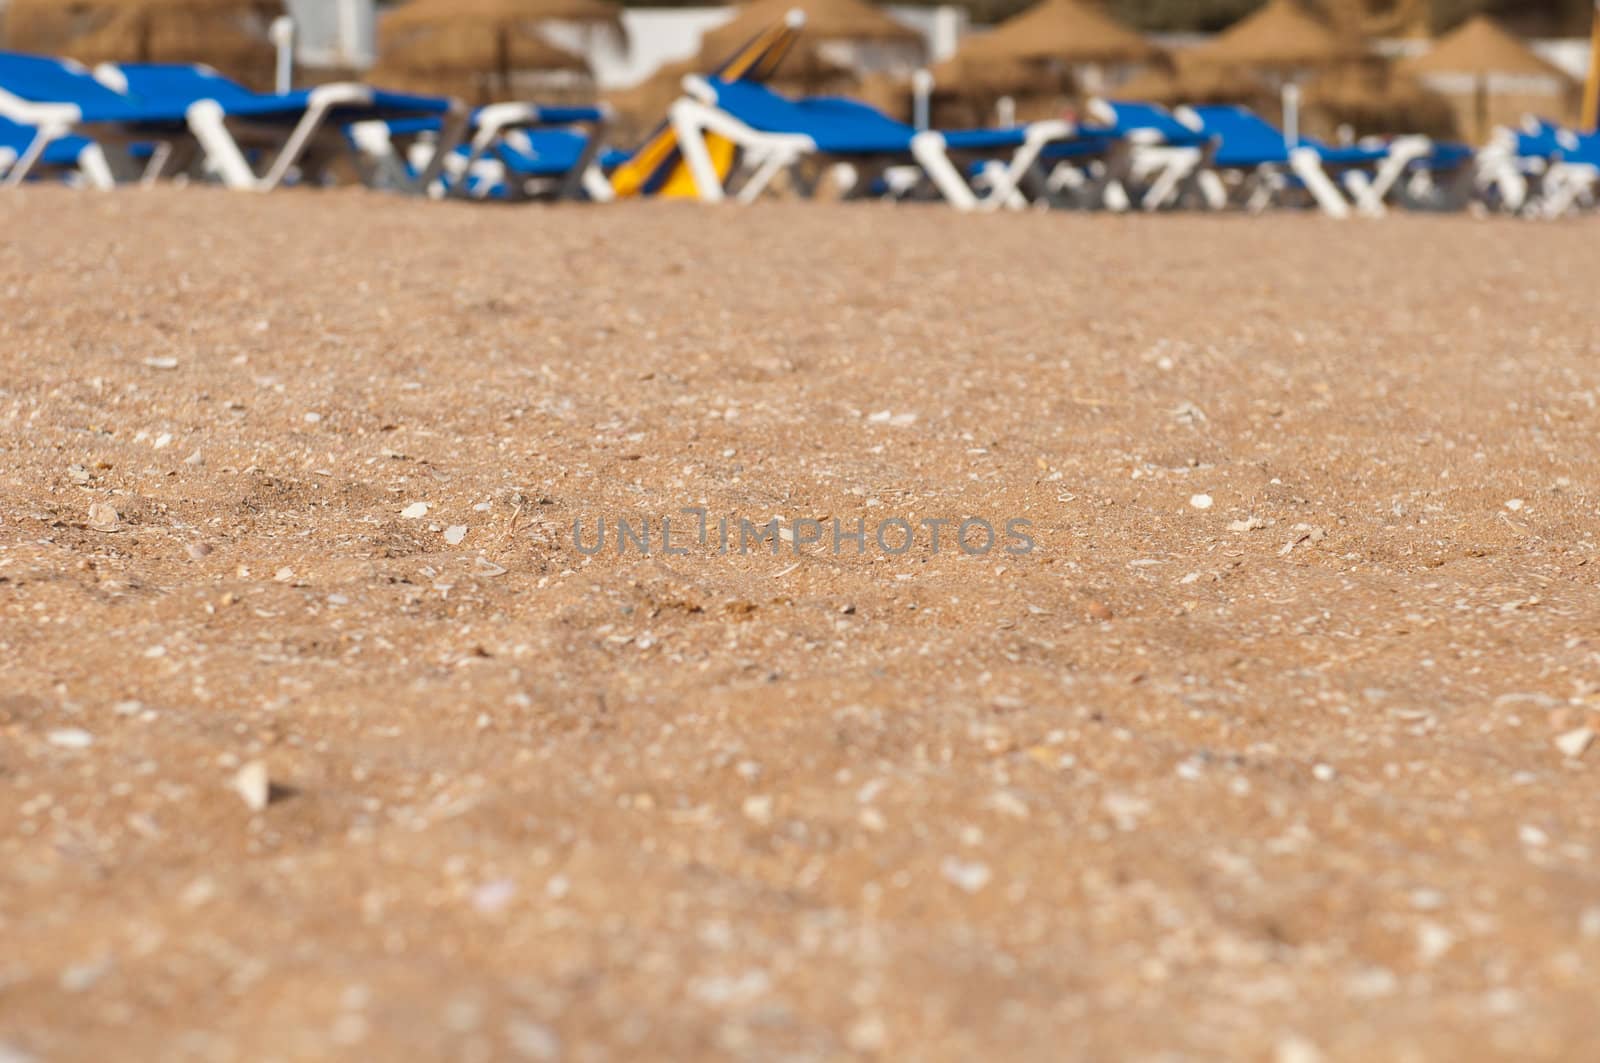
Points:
(922, 90)
(1591, 85)
(282, 34)
(1291, 114)
(1481, 105)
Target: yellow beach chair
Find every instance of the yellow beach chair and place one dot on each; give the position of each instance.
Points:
(657, 167)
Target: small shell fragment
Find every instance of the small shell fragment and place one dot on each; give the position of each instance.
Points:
(254, 785)
(103, 516)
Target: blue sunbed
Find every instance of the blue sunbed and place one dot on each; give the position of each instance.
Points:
(226, 116)
(22, 147)
(774, 131)
(554, 146)
(1243, 143)
(58, 98)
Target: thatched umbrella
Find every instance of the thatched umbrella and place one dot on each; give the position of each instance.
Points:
(642, 107)
(968, 91)
(216, 32)
(217, 41)
(470, 60)
(1480, 49)
(1284, 36)
(1371, 102)
(447, 42)
(1380, 18)
(816, 61)
(891, 94)
(1060, 31)
(1036, 54)
(1172, 85)
(1283, 40)
(826, 20)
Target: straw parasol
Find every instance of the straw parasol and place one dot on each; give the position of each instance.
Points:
(1381, 18)
(148, 31)
(1283, 36)
(826, 20)
(448, 44)
(1194, 83)
(1033, 57)
(1480, 49)
(431, 14)
(821, 59)
(640, 108)
(1371, 102)
(968, 91)
(217, 40)
(1063, 31)
(889, 93)
(964, 73)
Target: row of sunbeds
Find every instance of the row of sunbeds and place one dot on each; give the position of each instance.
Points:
(140, 122)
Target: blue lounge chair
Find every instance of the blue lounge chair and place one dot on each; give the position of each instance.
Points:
(1370, 171)
(537, 164)
(774, 132)
(227, 118)
(555, 153)
(1513, 166)
(1154, 155)
(1573, 176)
(572, 163)
(1244, 145)
(58, 98)
(1444, 178)
(22, 148)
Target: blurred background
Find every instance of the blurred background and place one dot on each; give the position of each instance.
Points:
(1448, 68)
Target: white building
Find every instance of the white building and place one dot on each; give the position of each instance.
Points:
(335, 33)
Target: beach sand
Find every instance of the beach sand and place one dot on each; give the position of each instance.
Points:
(1297, 774)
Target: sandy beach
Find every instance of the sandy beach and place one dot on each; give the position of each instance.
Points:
(323, 736)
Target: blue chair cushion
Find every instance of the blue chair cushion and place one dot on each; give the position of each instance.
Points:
(1244, 140)
(63, 151)
(178, 85)
(1132, 116)
(39, 79)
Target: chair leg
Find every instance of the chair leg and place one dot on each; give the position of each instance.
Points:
(692, 144)
(1167, 182)
(31, 155)
(1402, 153)
(1364, 192)
(383, 166)
(1308, 167)
(1213, 192)
(96, 168)
(1006, 181)
(928, 149)
(597, 185)
(1261, 187)
(209, 125)
(152, 170)
(452, 130)
(576, 179)
(762, 176)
